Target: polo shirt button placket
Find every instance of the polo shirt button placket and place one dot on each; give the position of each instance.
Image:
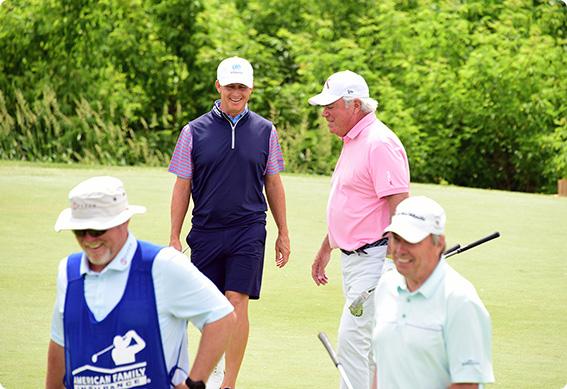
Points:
(408, 300)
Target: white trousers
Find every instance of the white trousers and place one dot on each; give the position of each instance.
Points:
(361, 272)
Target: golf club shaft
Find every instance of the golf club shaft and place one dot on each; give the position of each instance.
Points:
(494, 235)
(343, 375)
(325, 340)
(94, 357)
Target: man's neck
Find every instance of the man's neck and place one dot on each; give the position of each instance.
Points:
(415, 284)
(232, 115)
(355, 120)
(226, 112)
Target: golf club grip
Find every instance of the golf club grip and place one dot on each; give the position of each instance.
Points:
(494, 235)
(325, 340)
(455, 247)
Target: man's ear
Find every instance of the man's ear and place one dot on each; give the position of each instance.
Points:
(357, 104)
(218, 85)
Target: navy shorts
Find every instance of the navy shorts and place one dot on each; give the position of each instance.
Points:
(232, 258)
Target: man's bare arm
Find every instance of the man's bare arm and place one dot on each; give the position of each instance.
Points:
(214, 341)
(179, 205)
(55, 366)
(276, 198)
(394, 200)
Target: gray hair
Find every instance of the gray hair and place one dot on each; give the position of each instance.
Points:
(436, 240)
(367, 104)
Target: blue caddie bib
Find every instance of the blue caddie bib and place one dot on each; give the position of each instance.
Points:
(124, 350)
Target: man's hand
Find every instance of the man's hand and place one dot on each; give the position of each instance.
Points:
(318, 268)
(320, 263)
(282, 249)
(175, 243)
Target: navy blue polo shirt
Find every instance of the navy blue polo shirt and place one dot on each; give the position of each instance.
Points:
(229, 164)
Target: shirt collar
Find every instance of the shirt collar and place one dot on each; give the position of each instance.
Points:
(429, 286)
(358, 127)
(122, 260)
(232, 119)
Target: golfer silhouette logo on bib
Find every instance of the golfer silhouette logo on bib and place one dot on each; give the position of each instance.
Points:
(124, 349)
(126, 373)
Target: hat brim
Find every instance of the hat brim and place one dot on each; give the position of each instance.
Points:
(323, 99)
(66, 221)
(404, 227)
(224, 81)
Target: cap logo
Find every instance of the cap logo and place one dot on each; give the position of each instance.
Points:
(75, 205)
(327, 84)
(411, 215)
(349, 91)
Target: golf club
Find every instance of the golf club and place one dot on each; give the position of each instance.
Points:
(494, 235)
(94, 358)
(325, 340)
(356, 307)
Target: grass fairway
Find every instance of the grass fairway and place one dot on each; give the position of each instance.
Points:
(522, 276)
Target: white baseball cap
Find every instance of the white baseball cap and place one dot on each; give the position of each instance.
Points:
(341, 84)
(235, 70)
(416, 217)
(98, 203)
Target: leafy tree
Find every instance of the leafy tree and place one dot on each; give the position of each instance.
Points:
(475, 89)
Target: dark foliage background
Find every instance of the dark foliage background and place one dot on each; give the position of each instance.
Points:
(475, 89)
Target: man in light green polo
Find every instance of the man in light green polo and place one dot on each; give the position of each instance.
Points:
(431, 329)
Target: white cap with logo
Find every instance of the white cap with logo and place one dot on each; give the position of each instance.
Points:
(341, 84)
(235, 70)
(416, 217)
(98, 203)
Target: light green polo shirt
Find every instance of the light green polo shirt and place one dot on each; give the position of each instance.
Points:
(438, 335)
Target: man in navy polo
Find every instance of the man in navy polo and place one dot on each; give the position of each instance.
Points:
(224, 159)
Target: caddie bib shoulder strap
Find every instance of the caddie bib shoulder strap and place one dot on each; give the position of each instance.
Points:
(74, 266)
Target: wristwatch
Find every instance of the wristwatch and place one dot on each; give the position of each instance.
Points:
(195, 384)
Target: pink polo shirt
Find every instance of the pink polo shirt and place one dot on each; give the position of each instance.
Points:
(373, 164)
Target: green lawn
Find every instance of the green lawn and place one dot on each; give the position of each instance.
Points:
(522, 276)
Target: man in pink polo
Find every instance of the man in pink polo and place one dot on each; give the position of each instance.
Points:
(370, 179)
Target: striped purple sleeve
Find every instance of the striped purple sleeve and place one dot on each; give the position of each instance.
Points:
(181, 164)
(275, 157)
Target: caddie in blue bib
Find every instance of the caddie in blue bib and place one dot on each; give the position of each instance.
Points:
(123, 350)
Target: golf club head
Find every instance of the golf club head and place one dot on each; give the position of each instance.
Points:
(356, 308)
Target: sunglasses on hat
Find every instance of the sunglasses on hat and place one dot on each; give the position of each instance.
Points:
(92, 233)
